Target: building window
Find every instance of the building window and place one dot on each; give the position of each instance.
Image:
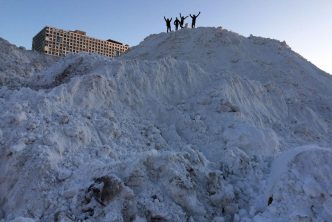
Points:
(59, 39)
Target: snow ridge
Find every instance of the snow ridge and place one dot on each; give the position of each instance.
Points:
(17, 65)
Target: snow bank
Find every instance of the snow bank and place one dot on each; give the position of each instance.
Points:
(18, 65)
(300, 179)
(194, 125)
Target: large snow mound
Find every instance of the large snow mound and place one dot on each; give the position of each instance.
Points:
(18, 65)
(196, 125)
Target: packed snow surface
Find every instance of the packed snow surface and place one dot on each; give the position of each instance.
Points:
(195, 125)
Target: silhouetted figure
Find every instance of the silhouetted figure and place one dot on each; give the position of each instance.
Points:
(168, 24)
(177, 22)
(193, 17)
(182, 18)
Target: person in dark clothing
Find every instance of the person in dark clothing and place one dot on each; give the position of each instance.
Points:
(177, 23)
(168, 24)
(193, 17)
(182, 18)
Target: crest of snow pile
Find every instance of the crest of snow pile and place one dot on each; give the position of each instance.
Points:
(17, 65)
(196, 125)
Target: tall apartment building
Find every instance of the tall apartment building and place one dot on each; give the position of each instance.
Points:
(58, 42)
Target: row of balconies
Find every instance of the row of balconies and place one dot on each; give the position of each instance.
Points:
(78, 37)
(80, 48)
(108, 52)
(65, 52)
(82, 45)
(60, 40)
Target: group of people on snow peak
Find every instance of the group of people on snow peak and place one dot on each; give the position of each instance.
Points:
(180, 22)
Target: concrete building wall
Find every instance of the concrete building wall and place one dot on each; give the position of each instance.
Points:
(58, 42)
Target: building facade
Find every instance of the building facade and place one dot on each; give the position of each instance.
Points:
(58, 42)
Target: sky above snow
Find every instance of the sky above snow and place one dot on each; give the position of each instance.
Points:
(305, 25)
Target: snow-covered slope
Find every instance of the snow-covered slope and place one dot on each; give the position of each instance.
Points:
(18, 64)
(194, 125)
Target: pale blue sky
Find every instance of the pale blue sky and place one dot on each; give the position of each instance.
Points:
(306, 25)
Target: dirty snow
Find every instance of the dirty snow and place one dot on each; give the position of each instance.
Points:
(194, 125)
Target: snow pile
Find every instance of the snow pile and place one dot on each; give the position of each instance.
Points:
(18, 64)
(194, 125)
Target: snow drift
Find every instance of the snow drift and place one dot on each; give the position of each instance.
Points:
(195, 125)
(17, 65)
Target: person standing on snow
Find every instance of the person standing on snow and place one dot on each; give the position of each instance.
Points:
(182, 18)
(193, 17)
(168, 24)
(177, 22)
